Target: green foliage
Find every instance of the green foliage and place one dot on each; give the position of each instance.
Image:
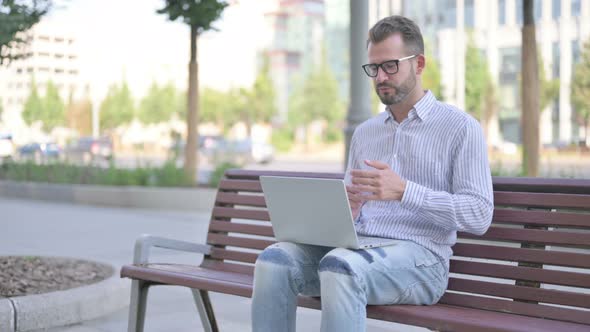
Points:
(580, 93)
(33, 108)
(261, 98)
(217, 174)
(159, 104)
(195, 13)
(549, 88)
(79, 116)
(431, 75)
(220, 107)
(1, 109)
(168, 175)
(117, 108)
(17, 17)
(54, 110)
(49, 110)
(477, 76)
(317, 98)
(282, 139)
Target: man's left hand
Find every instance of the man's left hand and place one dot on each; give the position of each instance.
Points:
(380, 184)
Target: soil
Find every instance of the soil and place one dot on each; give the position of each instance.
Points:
(27, 275)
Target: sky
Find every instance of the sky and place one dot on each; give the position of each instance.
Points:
(128, 39)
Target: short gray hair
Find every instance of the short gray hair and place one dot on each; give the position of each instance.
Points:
(409, 31)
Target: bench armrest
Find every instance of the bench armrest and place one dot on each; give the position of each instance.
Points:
(146, 241)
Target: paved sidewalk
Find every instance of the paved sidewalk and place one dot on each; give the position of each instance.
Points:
(108, 234)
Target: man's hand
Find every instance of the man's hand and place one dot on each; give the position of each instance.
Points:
(381, 184)
(356, 200)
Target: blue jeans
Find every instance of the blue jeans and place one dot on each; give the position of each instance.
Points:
(346, 279)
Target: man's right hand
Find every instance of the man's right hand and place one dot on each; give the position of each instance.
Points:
(356, 200)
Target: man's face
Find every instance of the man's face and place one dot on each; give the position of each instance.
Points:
(392, 88)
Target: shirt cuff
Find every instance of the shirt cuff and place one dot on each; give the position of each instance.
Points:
(414, 196)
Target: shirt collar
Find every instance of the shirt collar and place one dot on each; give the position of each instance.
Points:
(422, 108)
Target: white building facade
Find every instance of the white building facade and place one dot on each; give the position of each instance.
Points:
(52, 57)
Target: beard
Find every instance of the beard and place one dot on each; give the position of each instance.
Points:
(400, 91)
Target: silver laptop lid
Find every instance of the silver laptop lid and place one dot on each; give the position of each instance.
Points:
(309, 210)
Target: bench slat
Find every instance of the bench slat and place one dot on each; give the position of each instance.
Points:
(233, 255)
(533, 236)
(255, 174)
(226, 226)
(521, 308)
(243, 242)
(520, 292)
(240, 185)
(542, 200)
(228, 212)
(551, 257)
(237, 199)
(546, 218)
(564, 278)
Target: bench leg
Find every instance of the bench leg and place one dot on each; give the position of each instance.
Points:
(137, 305)
(205, 310)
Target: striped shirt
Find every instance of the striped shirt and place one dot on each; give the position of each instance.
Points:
(441, 152)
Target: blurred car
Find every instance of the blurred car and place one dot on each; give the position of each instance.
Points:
(6, 147)
(245, 152)
(39, 152)
(87, 149)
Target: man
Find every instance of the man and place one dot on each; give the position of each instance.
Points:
(417, 172)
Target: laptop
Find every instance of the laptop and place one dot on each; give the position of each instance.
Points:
(314, 211)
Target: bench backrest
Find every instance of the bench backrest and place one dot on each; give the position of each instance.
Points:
(534, 260)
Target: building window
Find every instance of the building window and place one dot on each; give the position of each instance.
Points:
(72, 57)
(538, 10)
(59, 71)
(510, 65)
(576, 7)
(469, 14)
(502, 12)
(58, 56)
(556, 59)
(449, 12)
(556, 9)
(575, 52)
(43, 54)
(73, 72)
(518, 11)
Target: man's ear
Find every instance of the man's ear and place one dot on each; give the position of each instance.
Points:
(421, 64)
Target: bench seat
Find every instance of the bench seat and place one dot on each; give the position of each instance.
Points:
(529, 272)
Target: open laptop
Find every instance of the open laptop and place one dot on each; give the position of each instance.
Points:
(314, 211)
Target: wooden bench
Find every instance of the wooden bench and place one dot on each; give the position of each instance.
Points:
(529, 272)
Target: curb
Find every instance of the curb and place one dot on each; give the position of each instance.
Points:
(6, 315)
(188, 199)
(60, 308)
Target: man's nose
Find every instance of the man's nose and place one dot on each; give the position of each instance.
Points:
(381, 75)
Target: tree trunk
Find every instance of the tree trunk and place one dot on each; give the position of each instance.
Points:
(191, 148)
(530, 94)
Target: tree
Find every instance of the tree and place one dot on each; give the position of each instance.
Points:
(199, 15)
(33, 108)
(260, 99)
(54, 109)
(220, 107)
(479, 78)
(17, 17)
(117, 108)
(530, 93)
(549, 88)
(431, 75)
(159, 104)
(580, 93)
(318, 99)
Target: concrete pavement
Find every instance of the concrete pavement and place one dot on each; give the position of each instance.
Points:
(108, 234)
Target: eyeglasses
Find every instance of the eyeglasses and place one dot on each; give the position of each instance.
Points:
(390, 67)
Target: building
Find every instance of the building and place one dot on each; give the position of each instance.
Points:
(52, 56)
(295, 46)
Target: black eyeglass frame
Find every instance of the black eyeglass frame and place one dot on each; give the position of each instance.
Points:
(377, 65)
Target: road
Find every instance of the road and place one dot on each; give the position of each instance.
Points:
(107, 234)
